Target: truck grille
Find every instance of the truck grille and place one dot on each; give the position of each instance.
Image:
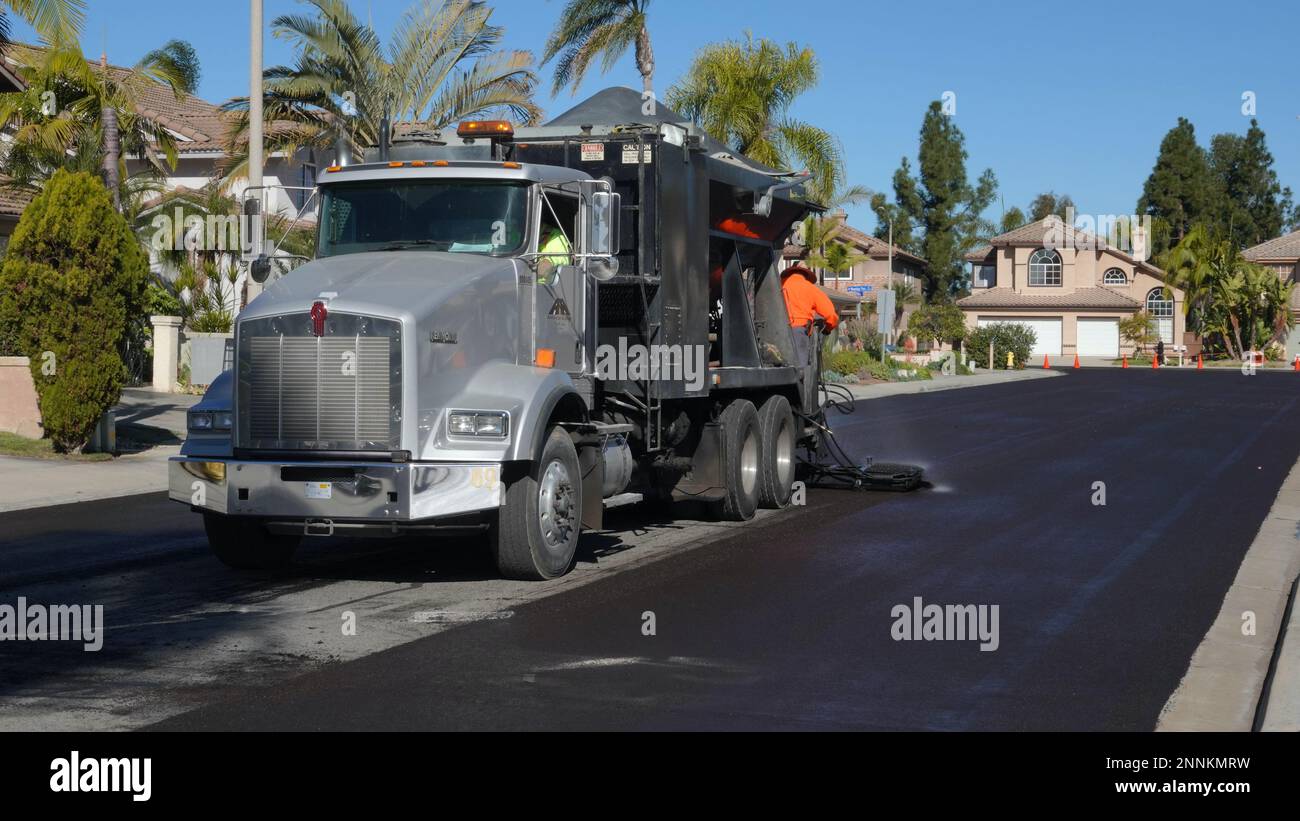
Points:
(340, 391)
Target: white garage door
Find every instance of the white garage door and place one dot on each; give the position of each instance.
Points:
(1048, 331)
(1099, 337)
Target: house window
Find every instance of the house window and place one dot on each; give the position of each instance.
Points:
(842, 275)
(1044, 267)
(306, 179)
(1114, 276)
(986, 276)
(1161, 310)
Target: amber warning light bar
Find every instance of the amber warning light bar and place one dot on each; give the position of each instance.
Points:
(496, 129)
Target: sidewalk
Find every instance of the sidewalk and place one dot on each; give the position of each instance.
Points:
(152, 421)
(165, 411)
(1224, 683)
(28, 483)
(946, 383)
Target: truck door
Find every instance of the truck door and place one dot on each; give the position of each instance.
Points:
(562, 303)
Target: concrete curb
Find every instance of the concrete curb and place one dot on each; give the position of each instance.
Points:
(947, 383)
(1223, 685)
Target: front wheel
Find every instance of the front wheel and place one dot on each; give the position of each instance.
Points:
(246, 545)
(536, 533)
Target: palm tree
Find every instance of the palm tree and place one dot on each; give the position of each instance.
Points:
(441, 66)
(589, 28)
(1227, 295)
(741, 93)
(83, 117)
(54, 20)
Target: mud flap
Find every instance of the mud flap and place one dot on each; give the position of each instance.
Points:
(592, 465)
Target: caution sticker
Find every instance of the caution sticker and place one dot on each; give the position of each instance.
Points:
(593, 152)
(630, 154)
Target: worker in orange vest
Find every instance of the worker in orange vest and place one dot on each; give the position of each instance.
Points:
(805, 302)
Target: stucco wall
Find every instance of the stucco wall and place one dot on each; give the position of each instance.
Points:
(19, 407)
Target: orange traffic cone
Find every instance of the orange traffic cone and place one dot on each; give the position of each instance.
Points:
(1046, 363)
(1125, 362)
(1200, 366)
(1297, 363)
(1076, 361)
(1155, 362)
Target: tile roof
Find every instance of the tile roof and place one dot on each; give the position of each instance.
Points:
(979, 253)
(1094, 297)
(874, 247)
(201, 126)
(13, 201)
(1282, 249)
(1038, 233)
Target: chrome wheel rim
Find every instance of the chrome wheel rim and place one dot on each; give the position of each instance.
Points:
(555, 505)
(749, 463)
(785, 456)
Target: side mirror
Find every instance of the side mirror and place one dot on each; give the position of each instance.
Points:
(259, 269)
(601, 229)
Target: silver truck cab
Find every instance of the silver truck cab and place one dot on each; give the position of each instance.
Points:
(430, 368)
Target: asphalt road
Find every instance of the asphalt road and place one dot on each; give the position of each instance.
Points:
(783, 623)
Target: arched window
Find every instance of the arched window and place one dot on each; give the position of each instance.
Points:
(1044, 267)
(1114, 276)
(1161, 309)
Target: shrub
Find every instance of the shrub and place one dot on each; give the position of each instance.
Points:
(861, 330)
(846, 361)
(1005, 336)
(73, 280)
(943, 321)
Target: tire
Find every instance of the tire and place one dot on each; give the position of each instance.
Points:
(536, 533)
(741, 448)
(776, 431)
(246, 545)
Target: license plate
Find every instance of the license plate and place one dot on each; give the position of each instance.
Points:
(319, 490)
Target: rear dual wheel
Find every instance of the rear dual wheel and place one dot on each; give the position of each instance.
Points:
(758, 457)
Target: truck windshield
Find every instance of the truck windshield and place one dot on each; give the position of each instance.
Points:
(464, 216)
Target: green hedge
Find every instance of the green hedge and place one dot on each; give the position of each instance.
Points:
(72, 282)
(1005, 336)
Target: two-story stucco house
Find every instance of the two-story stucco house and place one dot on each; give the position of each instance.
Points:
(1072, 288)
(1283, 256)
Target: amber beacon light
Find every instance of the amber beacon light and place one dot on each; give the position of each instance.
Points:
(497, 129)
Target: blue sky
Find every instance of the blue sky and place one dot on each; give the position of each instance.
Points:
(1051, 96)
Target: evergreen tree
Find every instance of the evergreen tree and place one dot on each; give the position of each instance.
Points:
(1012, 219)
(942, 203)
(1253, 206)
(1180, 189)
(1049, 203)
(72, 282)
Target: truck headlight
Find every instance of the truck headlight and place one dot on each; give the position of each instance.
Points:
(207, 421)
(487, 424)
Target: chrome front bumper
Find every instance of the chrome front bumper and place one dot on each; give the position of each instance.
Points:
(348, 491)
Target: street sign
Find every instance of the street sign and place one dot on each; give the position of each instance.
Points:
(860, 290)
(885, 311)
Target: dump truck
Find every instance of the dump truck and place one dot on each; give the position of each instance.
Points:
(502, 329)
